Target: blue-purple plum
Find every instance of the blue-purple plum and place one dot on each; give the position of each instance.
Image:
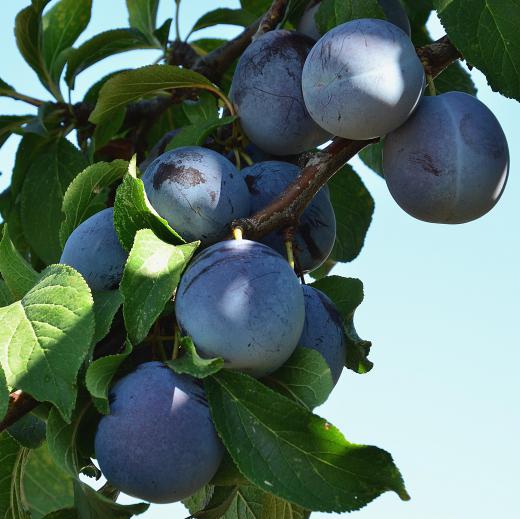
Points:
(449, 162)
(316, 232)
(158, 443)
(93, 249)
(393, 9)
(363, 79)
(323, 330)
(241, 301)
(198, 191)
(267, 92)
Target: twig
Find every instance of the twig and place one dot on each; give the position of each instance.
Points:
(272, 17)
(20, 404)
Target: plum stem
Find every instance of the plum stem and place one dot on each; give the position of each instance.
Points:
(290, 253)
(237, 233)
(176, 342)
(431, 85)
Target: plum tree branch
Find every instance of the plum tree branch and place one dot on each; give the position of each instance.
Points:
(20, 404)
(272, 17)
(321, 166)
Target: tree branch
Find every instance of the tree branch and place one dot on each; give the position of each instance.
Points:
(272, 17)
(20, 404)
(320, 167)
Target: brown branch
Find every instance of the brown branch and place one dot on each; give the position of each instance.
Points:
(272, 17)
(20, 404)
(321, 166)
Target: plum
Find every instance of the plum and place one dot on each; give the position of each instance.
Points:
(323, 330)
(241, 301)
(267, 92)
(316, 232)
(158, 443)
(393, 9)
(198, 191)
(363, 79)
(93, 249)
(449, 162)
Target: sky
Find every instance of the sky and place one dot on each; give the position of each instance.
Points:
(441, 308)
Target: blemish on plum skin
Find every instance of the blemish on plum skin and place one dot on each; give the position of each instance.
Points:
(185, 176)
(426, 162)
(213, 195)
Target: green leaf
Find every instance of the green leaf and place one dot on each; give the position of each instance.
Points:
(323, 270)
(305, 377)
(347, 295)
(4, 394)
(106, 305)
(108, 130)
(335, 12)
(353, 207)
(372, 156)
(132, 212)
(455, 77)
(276, 508)
(163, 32)
(13, 459)
(5, 89)
(17, 273)
(6, 297)
(45, 337)
(133, 84)
(202, 110)
(224, 16)
(192, 364)
(52, 170)
(486, 33)
(199, 499)
(65, 513)
(47, 488)
(30, 147)
(63, 437)
(99, 376)
(102, 46)
(61, 27)
(196, 134)
(10, 124)
(258, 7)
(142, 15)
(151, 275)
(333, 475)
(28, 431)
(94, 505)
(220, 501)
(78, 201)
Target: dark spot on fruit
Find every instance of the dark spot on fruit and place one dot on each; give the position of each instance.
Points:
(426, 162)
(212, 195)
(251, 184)
(183, 175)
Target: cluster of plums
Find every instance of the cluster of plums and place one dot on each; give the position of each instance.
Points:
(445, 160)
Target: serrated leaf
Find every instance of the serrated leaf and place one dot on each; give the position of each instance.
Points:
(199, 499)
(99, 376)
(6, 298)
(62, 438)
(142, 15)
(347, 295)
(30, 147)
(18, 274)
(225, 16)
(132, 212)
(61, 27)
(335, 12)
(4, 394)
(106, 305)
(218, 505)
(133, 84)
(45, 337)
(108, 130)
(82, 191)
(65, 513)
(151, 275)
(163, 32)
(372, 156)
(275, 508)
(47, 488)
(333, 475)
(196, 134)
(52, 170)
(28, 431)
(305, 377)
(353, 206)
(94, 505)
(191, 363)
(102, 46)
(202, 110)
(486, 33)
(10, 124)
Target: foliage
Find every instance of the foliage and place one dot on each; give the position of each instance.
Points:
(64, 345)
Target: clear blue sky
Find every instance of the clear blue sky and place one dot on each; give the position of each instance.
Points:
(441, 307)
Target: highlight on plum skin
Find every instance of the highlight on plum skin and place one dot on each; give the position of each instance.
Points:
(449, 162)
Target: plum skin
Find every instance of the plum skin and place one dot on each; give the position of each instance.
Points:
(315, 235)
(267, 92)
(158, 443)
(240, 300)
(363, 79)
(449, 162)
(323, 330)
(94, 250)
(393, 9)
(198, 191)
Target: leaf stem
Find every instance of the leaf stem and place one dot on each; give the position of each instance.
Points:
(177, 28)
(28, 99)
